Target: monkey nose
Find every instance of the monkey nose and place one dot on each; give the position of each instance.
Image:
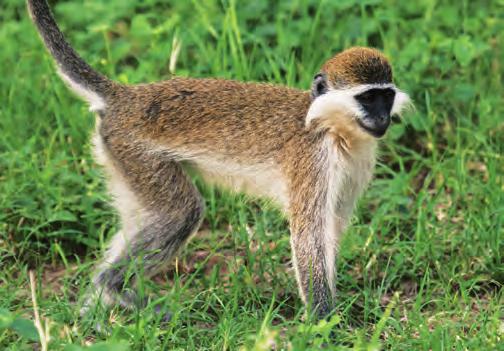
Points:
(375, 125)
(383, 121)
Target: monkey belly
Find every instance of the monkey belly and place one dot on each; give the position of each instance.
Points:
(258, 180)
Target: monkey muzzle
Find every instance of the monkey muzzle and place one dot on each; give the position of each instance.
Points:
(376, 105)
(375, 125)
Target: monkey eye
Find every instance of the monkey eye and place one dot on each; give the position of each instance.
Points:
(366, 97)
(389, 93)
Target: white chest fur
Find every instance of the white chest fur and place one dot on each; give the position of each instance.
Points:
(349, 172)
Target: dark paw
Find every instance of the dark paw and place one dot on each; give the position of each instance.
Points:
(160, 312)
(163, 315)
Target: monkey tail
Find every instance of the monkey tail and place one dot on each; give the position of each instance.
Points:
(80, 77)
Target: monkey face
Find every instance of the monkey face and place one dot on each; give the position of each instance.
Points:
(366, 108)
(354, 92)
(376, 105)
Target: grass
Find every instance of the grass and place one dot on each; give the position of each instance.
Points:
(421, 267)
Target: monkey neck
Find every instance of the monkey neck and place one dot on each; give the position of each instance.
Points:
(351, 143)
(351, 161)
(356, 161)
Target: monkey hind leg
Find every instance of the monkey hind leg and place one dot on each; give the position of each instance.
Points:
(159, 208)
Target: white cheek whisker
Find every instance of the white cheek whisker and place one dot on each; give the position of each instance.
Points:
(402, 102)
(334, 102)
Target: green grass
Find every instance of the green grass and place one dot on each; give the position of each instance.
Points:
(422, 265)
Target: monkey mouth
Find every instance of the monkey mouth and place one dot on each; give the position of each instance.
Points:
(376, 127)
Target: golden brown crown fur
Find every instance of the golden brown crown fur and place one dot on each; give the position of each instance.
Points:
(358, 65)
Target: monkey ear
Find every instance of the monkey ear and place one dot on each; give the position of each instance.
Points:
(319, 85)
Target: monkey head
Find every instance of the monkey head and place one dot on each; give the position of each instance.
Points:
(354, 89)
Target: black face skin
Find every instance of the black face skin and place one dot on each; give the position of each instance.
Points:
(376, 104)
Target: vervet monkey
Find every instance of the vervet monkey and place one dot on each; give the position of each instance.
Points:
(312, 152)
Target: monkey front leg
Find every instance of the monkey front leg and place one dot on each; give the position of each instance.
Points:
(312, 271)
(313, 240)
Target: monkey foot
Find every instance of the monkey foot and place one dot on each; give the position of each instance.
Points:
(165, 317)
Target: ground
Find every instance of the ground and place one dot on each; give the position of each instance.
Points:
(421, 267)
